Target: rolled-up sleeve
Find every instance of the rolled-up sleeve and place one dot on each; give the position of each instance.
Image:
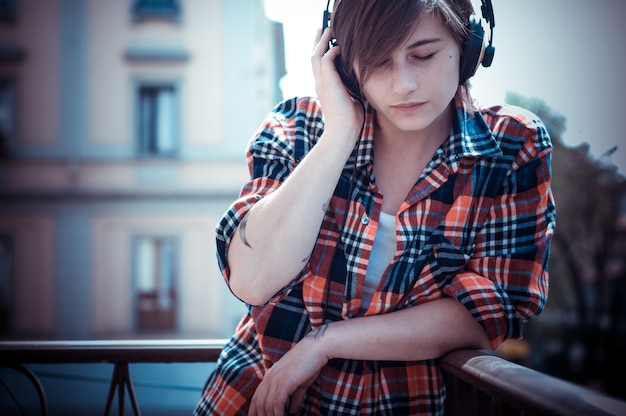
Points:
(505, 282)
(270, 160)
(272, 154)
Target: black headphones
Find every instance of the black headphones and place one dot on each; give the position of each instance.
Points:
(474, 51)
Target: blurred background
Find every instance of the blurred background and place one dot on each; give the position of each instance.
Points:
(123, 125)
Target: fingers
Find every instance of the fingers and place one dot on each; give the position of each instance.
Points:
(322, 41)
(268, 401)
(322, 57)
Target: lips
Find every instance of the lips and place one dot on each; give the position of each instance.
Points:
(408, 107)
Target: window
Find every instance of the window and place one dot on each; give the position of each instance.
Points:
(7, 257)
(8, 12)
(155, 278)
(158, 120)
(7, 116)
(159, 9)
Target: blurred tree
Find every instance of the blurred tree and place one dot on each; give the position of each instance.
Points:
(587, 264)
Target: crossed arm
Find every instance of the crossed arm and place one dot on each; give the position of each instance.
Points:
(421, 332)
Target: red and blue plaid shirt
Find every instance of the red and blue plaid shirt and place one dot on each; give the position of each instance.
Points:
(476, 226)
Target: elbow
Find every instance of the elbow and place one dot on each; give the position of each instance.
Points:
(482, 341)
(245, 280)
(247, 291)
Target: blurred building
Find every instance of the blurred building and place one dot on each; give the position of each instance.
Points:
(123, 125)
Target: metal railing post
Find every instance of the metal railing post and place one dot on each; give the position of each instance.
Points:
(121, 380)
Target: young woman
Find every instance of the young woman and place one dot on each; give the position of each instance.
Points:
(377, 234)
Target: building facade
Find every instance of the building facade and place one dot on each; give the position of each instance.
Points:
(123, 125)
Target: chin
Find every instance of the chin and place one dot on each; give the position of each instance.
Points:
(413, 125)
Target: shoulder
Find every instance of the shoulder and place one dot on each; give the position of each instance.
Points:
(522, 137)
(292, 127)
(298, 109)
(513, 126)
(295, 118)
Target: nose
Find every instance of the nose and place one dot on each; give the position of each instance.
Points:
(404, 78)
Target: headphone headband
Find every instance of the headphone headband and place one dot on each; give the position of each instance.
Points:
(486, 8)
(475, 51)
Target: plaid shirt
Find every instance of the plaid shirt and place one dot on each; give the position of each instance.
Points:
(476, 226)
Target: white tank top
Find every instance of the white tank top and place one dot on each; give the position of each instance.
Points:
(383, 250)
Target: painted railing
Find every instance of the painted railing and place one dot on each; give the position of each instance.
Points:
(478, 383)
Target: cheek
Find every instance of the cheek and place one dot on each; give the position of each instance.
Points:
(454, 59)
(446, 78)
(370, 91)
(451, 69)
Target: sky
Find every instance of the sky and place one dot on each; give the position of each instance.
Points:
(569, 53)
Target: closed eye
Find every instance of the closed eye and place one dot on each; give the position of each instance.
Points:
(425, 57)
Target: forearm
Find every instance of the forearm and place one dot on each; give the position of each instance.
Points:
(422, 332)
(275, 239)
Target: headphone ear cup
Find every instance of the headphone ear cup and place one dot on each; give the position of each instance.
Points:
(472, 49)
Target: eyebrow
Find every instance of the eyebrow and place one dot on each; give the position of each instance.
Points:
(423, 42)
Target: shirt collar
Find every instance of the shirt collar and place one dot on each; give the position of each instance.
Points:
(470, 136)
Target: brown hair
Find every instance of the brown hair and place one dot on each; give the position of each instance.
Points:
(369, 30)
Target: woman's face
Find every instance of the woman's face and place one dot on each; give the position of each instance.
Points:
(412, 88)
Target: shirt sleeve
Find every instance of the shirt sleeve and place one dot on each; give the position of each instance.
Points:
(272, 154)
(505, 282)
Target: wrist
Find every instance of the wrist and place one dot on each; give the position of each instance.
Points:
(342, 140)
(319, 340)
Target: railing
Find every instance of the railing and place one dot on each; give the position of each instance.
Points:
(15, 354)
(478, 383)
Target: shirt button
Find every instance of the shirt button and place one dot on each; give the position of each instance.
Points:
(365, 220)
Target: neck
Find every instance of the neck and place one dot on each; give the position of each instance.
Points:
(426, 140)
(400, 158)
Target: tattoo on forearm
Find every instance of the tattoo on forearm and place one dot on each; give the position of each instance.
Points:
(325, 206)
(317, 333)
(242, 232)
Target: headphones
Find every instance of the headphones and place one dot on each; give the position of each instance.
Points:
(475, 51)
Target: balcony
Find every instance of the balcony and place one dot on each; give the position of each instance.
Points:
(478, 383)
(164, 9)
